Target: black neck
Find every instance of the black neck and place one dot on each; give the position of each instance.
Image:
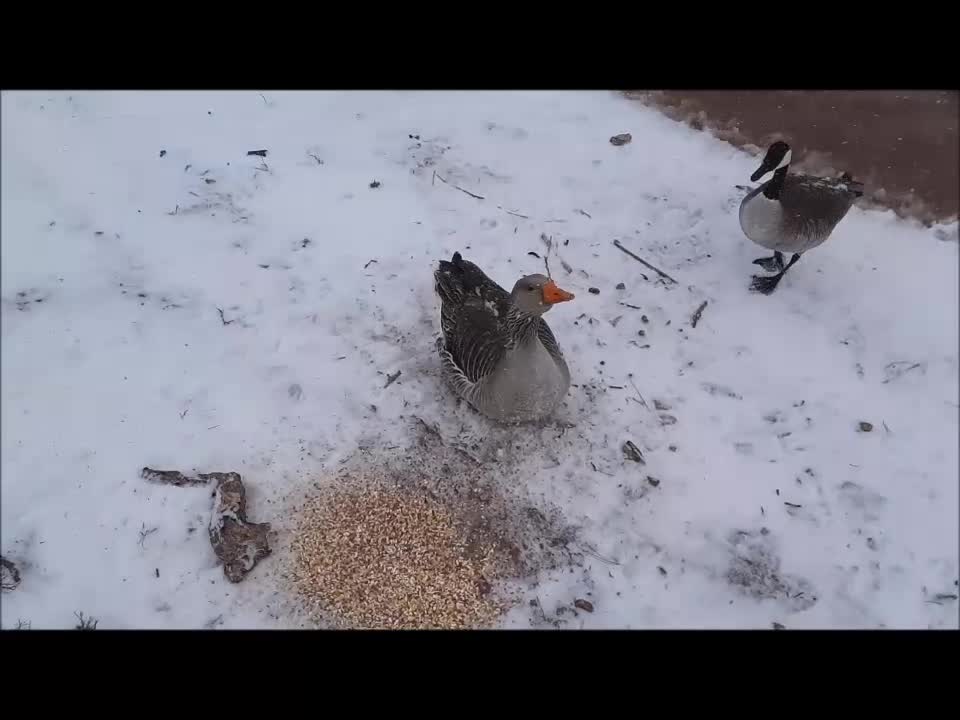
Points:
(775, 186)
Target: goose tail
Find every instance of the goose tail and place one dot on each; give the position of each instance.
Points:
(856, 188)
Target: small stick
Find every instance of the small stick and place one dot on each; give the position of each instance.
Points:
(171, 477)
(391, 379)
(696, 316)
(643, 402)
(639, 259)
(369, 263)
(447, 182)
(519, 215)
(261, 153)
(584, 212)
(223, 319)
(319, 161)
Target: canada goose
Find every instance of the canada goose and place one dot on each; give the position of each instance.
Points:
(791, 213)
(497, 351)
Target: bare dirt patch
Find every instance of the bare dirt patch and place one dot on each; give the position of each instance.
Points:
(903, 144)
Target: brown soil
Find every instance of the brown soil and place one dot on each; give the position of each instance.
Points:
(901, 144)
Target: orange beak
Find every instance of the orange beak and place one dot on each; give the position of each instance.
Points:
(553, 294)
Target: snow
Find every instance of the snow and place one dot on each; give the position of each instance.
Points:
(153, 318)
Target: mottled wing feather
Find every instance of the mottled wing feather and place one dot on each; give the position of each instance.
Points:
(478, 339)
(473, 308)
(548, 340)
(815, 205)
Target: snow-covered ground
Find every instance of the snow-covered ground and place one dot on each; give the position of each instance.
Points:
(169, 301)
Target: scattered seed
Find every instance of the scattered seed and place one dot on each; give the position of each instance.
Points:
(593, 291)
(865, 426)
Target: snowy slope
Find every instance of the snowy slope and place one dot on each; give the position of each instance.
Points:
(117, 263)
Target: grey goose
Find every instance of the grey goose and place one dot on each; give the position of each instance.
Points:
(791, 212)
(496, 350)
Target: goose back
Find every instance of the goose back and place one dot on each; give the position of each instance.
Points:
(803, 215)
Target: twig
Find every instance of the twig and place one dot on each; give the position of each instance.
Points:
(433, 180)
(261, 153)
(642, 401)
(546, 261)
(516, 214)
(223, 319)
(264, 99)
(391, 379)
(144, 533)
(184, 413)
(632, 307)
(171, 477)
(639, 259)
(447, 182)
(369, 263)
(319, 161)
(584, 212)
(87, 623)
(593, 553)
(696, 316)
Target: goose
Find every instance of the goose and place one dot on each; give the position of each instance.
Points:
(791, 213)
(496, 350)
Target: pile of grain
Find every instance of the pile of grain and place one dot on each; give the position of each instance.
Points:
(388, 559)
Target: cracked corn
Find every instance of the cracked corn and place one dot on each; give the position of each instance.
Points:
(380, 559)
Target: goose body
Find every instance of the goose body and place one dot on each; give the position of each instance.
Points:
(496, 350)
(792, 213)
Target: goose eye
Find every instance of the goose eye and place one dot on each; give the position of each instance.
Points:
(531, 288)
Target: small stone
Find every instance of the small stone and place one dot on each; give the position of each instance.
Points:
(621, 139)
(621, 286)
(660, 404)
(375, 184)
(162, 153)
(778, 626)
(653, 481)
(584, 605)
(662, 570)
(594, 291)
(672, 448)
(865, 426)
(642, 333)
(644, 319)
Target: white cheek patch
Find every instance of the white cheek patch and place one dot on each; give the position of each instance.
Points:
(766, 176)
(786, 159)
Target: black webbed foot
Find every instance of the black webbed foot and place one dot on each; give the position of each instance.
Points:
(771, 264)
(765, 285)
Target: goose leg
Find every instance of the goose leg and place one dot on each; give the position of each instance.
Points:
(767, 285)
(771, 264)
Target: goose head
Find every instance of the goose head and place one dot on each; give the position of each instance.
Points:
(778, 156)
(536, 294)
